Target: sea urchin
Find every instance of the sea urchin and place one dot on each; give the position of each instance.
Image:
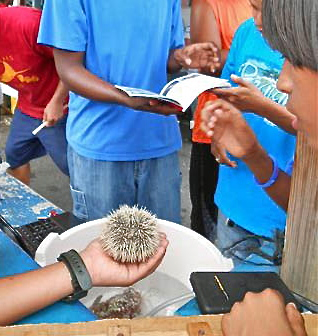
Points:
(130, 234)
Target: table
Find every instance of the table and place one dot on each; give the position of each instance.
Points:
(20, 205)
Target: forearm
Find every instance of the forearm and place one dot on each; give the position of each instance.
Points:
(173, 64)
(224, 54)
(261, 166)
(81, 81)
(61, 93)
(26, 293)
(276, 113)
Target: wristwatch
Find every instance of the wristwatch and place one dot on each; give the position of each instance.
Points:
(81, 280)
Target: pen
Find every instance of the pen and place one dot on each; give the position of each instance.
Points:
(218, 282)
(38, 129)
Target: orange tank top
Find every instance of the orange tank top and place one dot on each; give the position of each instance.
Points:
(229, 14)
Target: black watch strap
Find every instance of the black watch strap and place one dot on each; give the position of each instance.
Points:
(81, 280)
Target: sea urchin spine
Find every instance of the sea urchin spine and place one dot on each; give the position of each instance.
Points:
(130, 234)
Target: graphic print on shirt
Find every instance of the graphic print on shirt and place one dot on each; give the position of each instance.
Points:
(9, 73)
(264, 78)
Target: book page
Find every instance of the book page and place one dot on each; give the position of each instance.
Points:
(185, 89)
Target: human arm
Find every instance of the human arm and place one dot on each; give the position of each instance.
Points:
(54, 110)
(248, 97)
(26, 293)
(204, 28)
(263, 314)
(78, 79)
(230, 133)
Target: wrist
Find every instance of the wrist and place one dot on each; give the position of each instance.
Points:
(272, 179)
(177, 60)
(80, 277)
(255, 154)
(89, 262)
(261, 165)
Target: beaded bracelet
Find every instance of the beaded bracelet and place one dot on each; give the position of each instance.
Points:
(274, 176)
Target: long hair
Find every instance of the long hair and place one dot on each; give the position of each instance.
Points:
(291, 27)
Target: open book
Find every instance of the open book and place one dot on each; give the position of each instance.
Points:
(181, 91)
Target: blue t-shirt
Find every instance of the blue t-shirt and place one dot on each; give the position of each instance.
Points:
(125, 43)
(237, 195)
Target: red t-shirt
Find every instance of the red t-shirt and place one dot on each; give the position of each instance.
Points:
(25, 65)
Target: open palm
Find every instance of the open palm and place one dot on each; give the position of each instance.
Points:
(105, 271)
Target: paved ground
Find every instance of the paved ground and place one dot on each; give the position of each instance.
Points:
(49, 182)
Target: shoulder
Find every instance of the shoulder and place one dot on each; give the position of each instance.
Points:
(21, 18)
(244, 32)
(22, 13)
(246, 26)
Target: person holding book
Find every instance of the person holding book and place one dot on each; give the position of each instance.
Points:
(131, 155)
(29, 68)
(248, 219)
(216, 21)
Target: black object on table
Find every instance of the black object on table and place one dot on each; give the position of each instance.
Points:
(30, 236)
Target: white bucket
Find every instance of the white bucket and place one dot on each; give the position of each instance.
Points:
(187, 252)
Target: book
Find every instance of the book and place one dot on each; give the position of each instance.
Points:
(216, 292)
(180, 92)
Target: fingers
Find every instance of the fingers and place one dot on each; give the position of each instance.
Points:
(221, 157)
(199, 47)
(152, 264)
(225, 93)
(48, 121)
(296, 320)
(210, 115)
(226, 325)
(240, 81)
(200, 56)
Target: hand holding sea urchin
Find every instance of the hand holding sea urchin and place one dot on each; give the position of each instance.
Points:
(130, 234)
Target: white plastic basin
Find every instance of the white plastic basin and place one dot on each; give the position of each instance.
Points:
(187, 252)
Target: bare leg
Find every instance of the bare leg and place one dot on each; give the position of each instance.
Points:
(22, 173)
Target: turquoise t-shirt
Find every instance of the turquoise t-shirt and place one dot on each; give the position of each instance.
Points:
(125, 43)
(237, 195)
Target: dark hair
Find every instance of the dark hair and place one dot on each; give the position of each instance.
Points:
(291, 27)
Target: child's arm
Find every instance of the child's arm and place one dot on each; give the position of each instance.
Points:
(204, 28)
(248, 97)
(26, 293)
(229, 130)
(54, 110)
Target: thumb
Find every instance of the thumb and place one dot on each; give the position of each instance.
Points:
(240, 81)
(296, 320)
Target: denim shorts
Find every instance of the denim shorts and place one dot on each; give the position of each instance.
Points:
(98, 187)
(22, 146)
(239, 244)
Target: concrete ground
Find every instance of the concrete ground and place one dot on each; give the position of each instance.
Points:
(49, 182)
